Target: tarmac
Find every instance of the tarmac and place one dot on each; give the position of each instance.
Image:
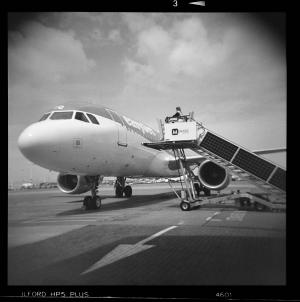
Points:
(142, 240)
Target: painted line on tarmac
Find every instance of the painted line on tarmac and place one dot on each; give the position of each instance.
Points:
(63, 221)
(211, 217)
(125, 250)
(30, 221)
(58, 220)
(79, 218)
(237, 216)
(71, 218)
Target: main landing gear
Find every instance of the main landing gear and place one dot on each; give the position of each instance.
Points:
(94, 201)
(121, 188)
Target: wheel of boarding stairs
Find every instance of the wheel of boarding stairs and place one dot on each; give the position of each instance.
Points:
(185, 206)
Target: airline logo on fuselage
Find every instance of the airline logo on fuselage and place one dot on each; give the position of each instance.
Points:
(141, 129)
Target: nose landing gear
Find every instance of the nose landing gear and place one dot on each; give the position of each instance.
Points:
(121, 188)
(94, 201)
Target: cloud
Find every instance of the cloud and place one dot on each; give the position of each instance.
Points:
(168, 53)
(193, 52)
(96, 34)
(182, 49)
(46, 67)
(154, 42)
(38, 53)
(114, 36)
(138, 22)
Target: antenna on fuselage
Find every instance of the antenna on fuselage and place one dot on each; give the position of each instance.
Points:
(59, 107)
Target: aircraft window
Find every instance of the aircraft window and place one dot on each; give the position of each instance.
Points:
(62, 115)
(92, 118)
(81, 117)
(115, 117)
(44, 117)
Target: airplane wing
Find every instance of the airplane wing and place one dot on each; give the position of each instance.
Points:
(269, 151)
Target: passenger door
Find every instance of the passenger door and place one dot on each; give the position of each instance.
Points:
(122, 137)
(122, 131)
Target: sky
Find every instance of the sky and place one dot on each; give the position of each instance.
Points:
(228, 68)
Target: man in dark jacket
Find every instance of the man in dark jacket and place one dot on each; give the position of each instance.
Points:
(178, 112)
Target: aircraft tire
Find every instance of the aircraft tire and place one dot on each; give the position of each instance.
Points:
(185, 206)
(128, 191)
(87, 202)
(97, 202)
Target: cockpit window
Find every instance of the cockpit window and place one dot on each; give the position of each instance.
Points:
(81, 117)
(44, 117)
(92, 118)
(62, 115)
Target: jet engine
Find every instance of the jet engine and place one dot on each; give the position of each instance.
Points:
(213, 176)
(73, 184)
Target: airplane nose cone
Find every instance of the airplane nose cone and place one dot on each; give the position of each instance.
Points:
(37, 142)
(29, 141)
(40, 143)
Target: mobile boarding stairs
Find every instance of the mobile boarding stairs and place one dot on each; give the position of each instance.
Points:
(186, 133)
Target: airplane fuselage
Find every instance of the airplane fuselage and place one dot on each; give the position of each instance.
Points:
(109, 148)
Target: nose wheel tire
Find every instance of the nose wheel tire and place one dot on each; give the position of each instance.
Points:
(185, 206)
(90, 203)
(128, 191)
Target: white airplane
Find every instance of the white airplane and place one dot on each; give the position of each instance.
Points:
(27, 185)
(87, 143)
